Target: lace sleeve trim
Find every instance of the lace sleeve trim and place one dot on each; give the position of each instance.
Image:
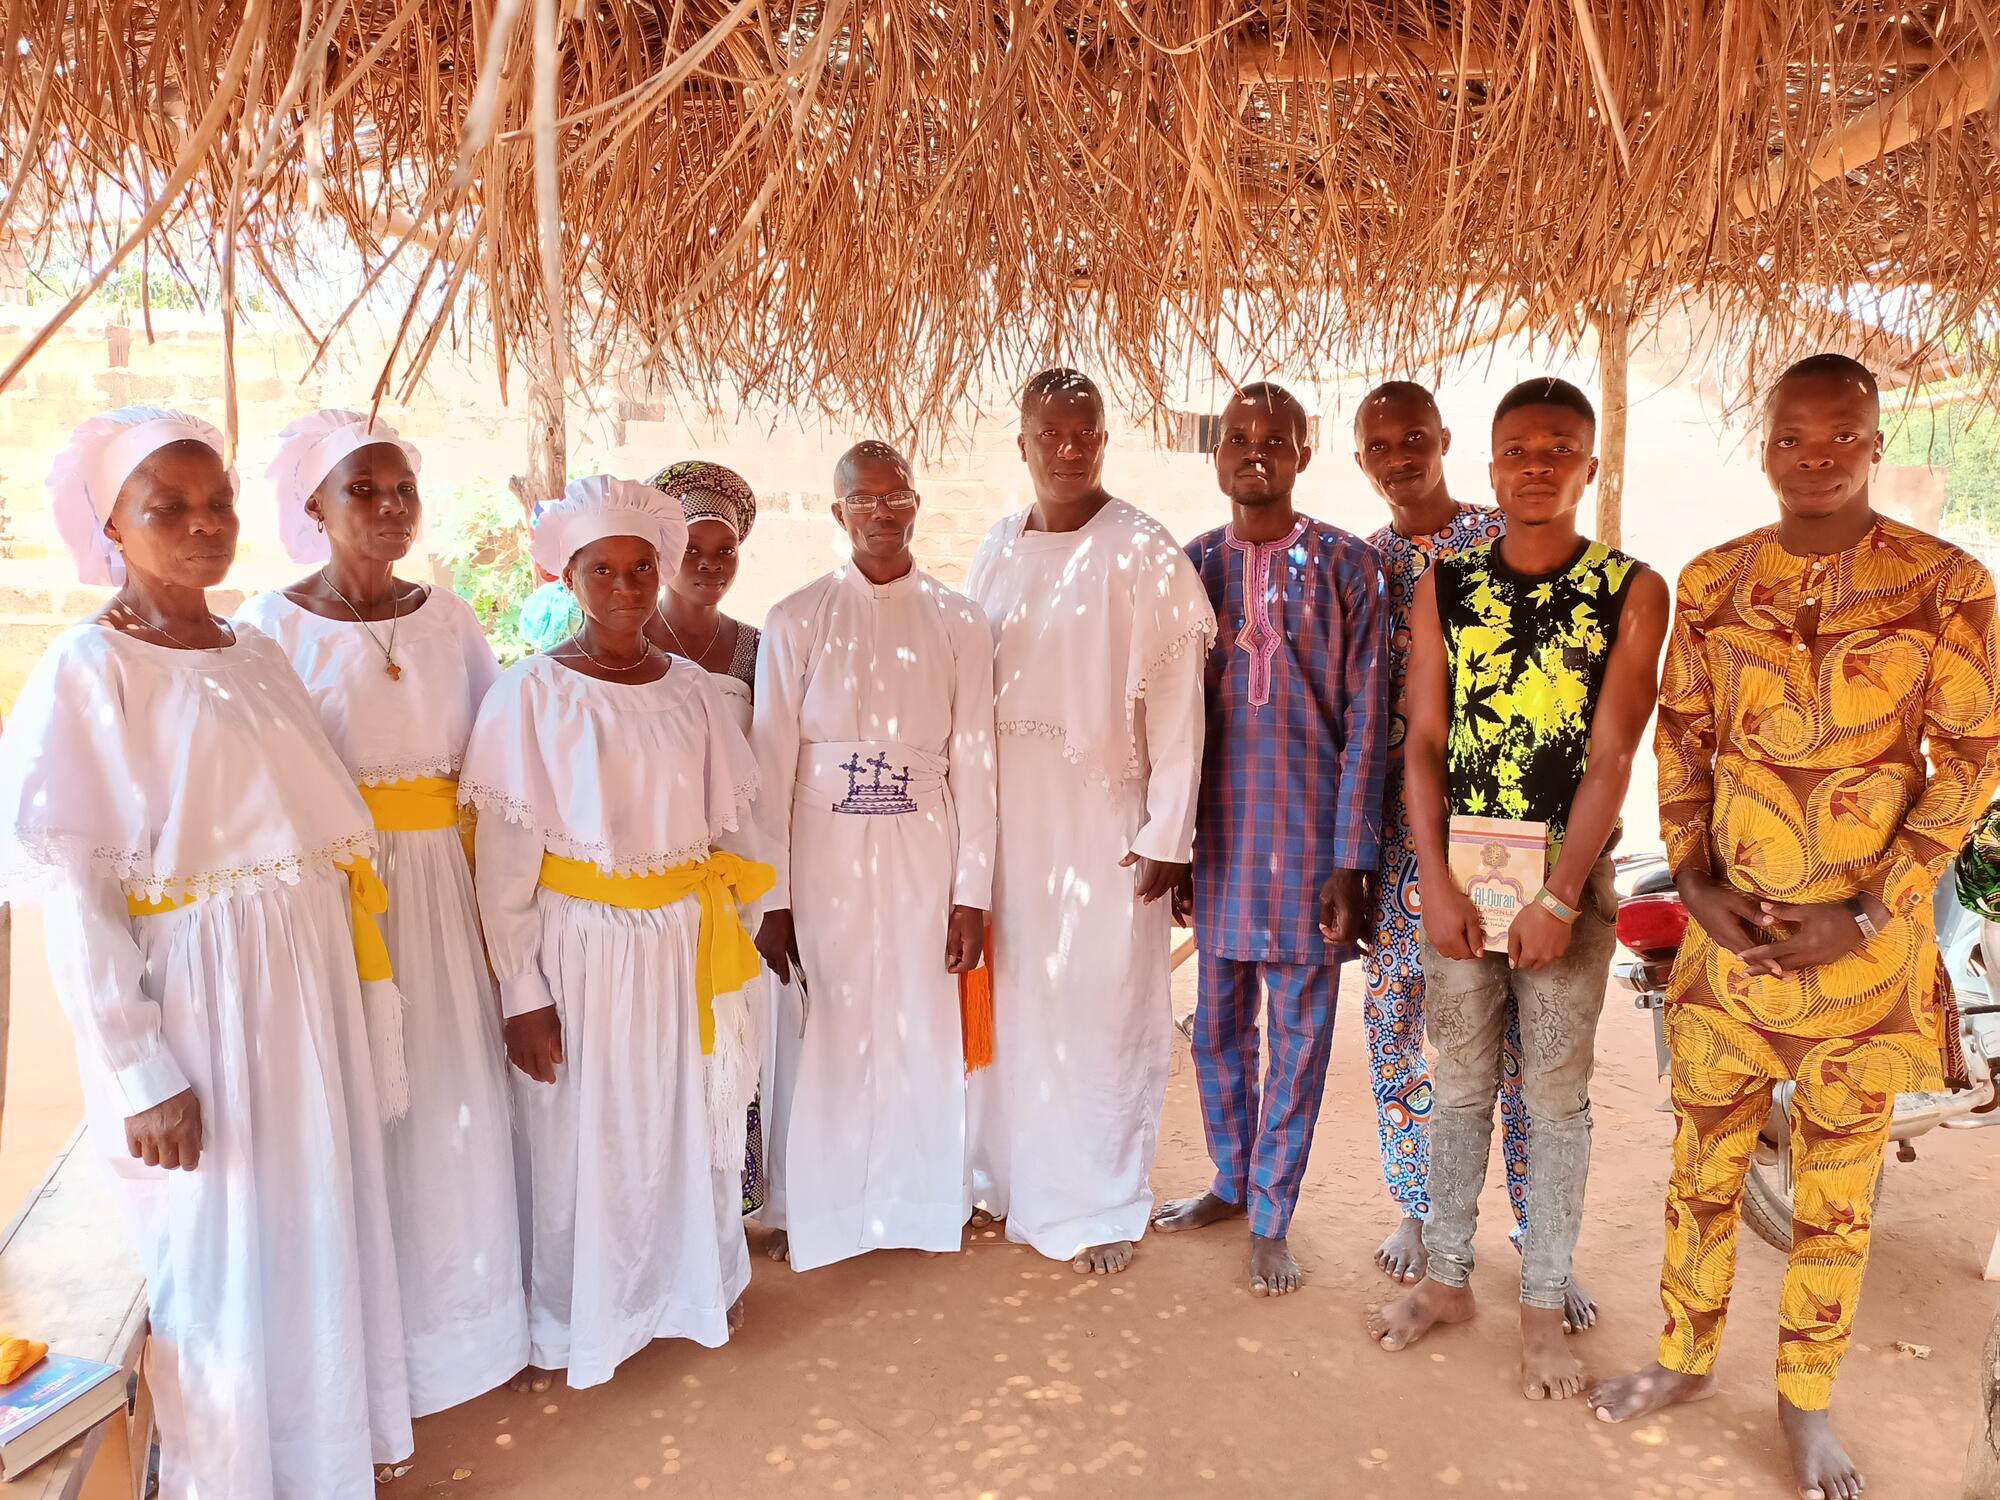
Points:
(34, 858)
(390, 772)
(492, 800)
(1078, 755)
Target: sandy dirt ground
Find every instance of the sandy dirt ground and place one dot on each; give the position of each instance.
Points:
(996, 1373)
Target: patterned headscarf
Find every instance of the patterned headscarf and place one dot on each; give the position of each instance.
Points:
(709, 492)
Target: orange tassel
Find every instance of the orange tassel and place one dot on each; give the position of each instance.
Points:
(975, 1010)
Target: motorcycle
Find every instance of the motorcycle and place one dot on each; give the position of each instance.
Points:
(1652, 921)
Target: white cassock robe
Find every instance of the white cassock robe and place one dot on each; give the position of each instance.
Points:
(874, 739)
(1100, 637)
(276, 1358)
(451, 1156)
(635, 1200)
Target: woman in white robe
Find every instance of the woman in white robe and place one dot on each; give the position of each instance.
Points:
(720, 508)
(397, 671)
(167, 791)
(604, 773)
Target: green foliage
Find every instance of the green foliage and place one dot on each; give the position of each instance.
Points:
(164, 291)
(477, 529)
(1965, 440)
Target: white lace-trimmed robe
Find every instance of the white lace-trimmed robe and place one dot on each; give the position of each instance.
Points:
(451, 1157)
(276, 1357)
(1100, 637)
(874, 739)
(635, 1205)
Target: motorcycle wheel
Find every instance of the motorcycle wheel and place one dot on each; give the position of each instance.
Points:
(1767, 1194)
(1767, 1197)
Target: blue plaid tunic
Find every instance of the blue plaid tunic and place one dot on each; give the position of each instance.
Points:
(1298, 719)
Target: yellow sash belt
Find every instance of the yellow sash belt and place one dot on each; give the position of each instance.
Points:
(418, 805)
(725, 957)
(367, 899)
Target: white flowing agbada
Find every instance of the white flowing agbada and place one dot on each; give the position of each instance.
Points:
(635, 1207)
(1101, 635)
(874, 740)
(276, 1359)
(451, 1157)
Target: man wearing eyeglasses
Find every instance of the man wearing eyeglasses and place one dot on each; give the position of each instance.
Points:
(874, 740)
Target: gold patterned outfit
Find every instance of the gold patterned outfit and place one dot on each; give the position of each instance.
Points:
(1797, 701)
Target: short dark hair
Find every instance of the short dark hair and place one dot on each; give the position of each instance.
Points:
(862, 452)
(1400, 390)
(1278, 398)
(1830, 366)
(1060, 380)
(1546, 390)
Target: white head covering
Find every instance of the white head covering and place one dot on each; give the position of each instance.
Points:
(601, 506)
(308, 450)
(85, 479)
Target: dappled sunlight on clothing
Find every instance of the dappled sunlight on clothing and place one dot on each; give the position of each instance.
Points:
(1099, 638)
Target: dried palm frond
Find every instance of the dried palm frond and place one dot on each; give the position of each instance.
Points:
(881, 206)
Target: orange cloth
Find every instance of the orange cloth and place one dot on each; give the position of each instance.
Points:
(975, 1010)
(18, 1356)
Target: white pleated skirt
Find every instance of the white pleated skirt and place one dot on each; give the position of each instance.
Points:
(451, 1157)
(276, 1360)
(634, 1233)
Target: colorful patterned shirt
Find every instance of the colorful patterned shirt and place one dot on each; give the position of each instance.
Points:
(1405, 559)
(1525, 658)
(1291, 779)
(1798, 699)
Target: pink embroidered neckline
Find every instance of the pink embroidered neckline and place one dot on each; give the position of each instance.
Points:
(1259, 637)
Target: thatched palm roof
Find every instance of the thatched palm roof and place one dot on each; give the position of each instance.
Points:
(872, 202)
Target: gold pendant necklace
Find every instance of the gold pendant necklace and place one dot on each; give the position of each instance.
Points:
(396, 613)
(713, 636)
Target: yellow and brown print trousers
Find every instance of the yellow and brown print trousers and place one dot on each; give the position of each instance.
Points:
(1838, 1136)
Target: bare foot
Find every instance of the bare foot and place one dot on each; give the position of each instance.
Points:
(1579, 1308)
(1273, 1272)
(778, 1245)
(1103, 1260)
(1399, 1324)
(1549, 1372)
(1197, 1212)
(534, 1379)
(1819, 1464)
(1401, 1256)
(1646, 1391)
(736, 1314)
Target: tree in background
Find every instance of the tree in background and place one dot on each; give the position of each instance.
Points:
(1964, 440)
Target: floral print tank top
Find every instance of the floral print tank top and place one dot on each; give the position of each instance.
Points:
(1525, 658)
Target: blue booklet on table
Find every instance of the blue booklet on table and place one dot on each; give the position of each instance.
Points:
(51, 1404)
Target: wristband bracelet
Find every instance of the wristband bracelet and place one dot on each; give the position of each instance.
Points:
(1566, 915)
(1861, 918)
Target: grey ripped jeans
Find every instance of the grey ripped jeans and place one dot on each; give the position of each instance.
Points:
(1465, 1013)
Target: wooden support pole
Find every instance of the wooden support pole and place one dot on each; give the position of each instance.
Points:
(1614, 331)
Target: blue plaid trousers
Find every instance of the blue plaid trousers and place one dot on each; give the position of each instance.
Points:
(1260, 1155)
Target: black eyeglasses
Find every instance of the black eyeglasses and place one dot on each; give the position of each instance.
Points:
(900, 501)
